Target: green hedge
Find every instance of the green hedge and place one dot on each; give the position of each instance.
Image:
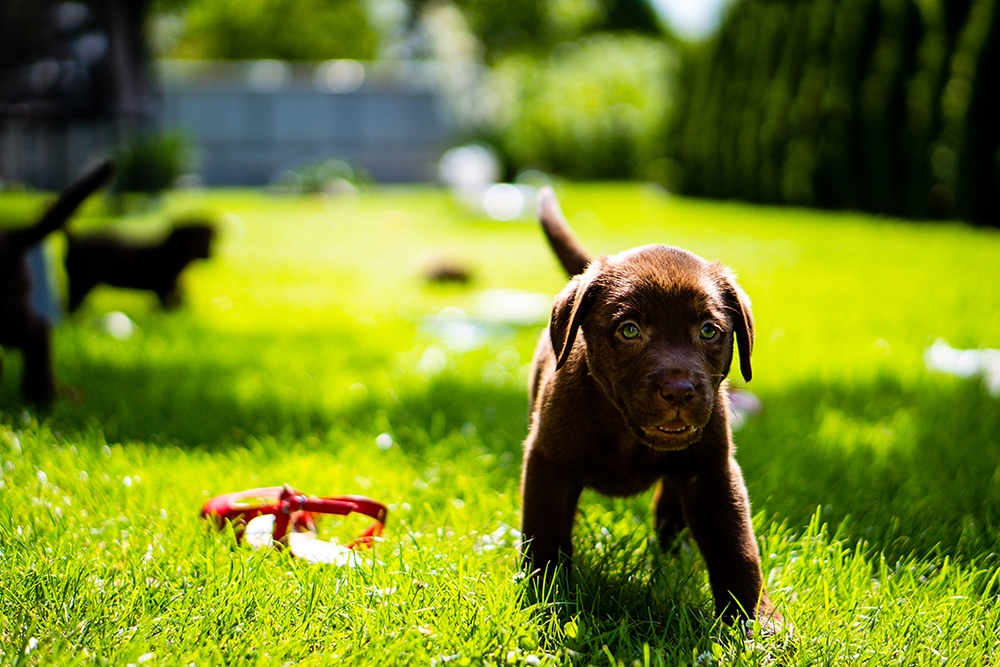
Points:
(881, 105)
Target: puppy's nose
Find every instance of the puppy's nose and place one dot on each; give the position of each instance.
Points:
(678, 392)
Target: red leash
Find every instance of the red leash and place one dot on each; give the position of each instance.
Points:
(293, 510)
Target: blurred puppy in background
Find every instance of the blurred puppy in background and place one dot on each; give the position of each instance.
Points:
(20, 326)
(102, 259)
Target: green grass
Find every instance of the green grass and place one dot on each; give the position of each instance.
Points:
(875, 484)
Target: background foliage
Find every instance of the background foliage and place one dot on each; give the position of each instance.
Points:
(878, 105)
(881, 105)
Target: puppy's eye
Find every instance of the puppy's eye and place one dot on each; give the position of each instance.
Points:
(709, 332)
(629, 330)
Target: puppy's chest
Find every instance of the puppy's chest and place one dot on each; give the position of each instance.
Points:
(625, 470)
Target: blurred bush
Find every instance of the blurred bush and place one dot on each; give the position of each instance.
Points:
(331, 177)
(280, 29)
(596, 108)
(881, 105)
(150, 163)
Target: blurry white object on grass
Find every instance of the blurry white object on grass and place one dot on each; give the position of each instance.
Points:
(742, 406)
(302, 545)
(943, 358)
(117, 325)
(497, 312)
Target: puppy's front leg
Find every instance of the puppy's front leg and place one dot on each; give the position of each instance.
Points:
(669, 513)
(717, 511)
(548, 506)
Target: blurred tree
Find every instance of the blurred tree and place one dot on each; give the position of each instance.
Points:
(511, 25)
(74, 59)
(507, 27)
(633, 15)
(282, 29)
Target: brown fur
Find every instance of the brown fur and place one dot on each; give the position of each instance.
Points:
(102, 259)
(603, 392)
(20, 327)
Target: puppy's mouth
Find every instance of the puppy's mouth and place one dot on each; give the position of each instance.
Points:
(673, 434)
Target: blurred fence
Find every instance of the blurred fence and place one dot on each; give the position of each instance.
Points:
(48, 153)
(249, 121)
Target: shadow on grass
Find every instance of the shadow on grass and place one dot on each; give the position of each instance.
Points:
(906, 468)
(624, 594)
(196, 406)
(903, 467)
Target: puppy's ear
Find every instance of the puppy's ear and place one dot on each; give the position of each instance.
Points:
(738, 303)
(570, 308)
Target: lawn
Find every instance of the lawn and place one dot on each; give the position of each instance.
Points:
(312, 351)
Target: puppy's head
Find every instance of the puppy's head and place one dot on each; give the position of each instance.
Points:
(192, 241)
(659, 326)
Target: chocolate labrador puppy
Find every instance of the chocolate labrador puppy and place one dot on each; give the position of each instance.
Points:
(627, 390)
(19, 326)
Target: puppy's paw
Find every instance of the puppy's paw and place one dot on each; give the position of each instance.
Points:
(771, 631)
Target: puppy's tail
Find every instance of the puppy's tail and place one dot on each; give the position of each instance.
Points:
(571, 253)
(60, 211)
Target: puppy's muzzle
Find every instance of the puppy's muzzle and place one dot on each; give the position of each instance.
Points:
(678, 393)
